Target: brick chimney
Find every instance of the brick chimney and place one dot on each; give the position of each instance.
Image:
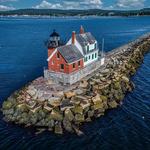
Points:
(73, 37)
(81, 30)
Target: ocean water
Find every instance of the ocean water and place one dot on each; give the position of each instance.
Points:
(23, 57)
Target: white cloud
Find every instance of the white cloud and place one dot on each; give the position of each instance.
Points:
(47, 5)
(90, 4)
(93, 2)
(5, 8)
(81, 4)
(127, 4)
(86, 4)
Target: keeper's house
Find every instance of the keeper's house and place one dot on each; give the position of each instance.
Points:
(86, 44)
(73, 61)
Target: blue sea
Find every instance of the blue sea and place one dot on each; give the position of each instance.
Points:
(23, 57)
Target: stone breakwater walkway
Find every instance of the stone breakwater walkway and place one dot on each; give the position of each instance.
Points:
(57, 108)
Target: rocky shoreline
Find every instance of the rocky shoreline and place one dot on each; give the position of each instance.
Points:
(46, 105)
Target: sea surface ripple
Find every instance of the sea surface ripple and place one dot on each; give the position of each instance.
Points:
(22, 58)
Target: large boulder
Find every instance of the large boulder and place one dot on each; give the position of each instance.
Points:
(51, 123)
(83, 84)
(117, 85)
(42, 113)
(97, 99)
(7, 105)
(24, 119)
(32, 91)
(58, 128)
(125, 79)
(69, 94)
(79, 118)
(67, 125)
(104, 98)
(31, 104)
(77, 130)
(78, 99)
(69, 115)
(78, 110)
(47, 107)
(96, 87)
(98, 105)
(85, 104)
(79, 91)
(33, 119)
(22, 108)
(75, 101)
(90, 113)
(54, 101)
(56, 115)
(106, 71)
(66, 104)
(36, 108)
(112, 104)
(8, 111)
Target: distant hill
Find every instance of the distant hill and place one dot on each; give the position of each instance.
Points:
(57, 12)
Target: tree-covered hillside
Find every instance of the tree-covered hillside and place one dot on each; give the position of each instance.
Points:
(56, 12)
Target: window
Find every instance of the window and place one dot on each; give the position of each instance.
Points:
(88, 48)
(62, 66)
(58, 56)
(79, 64)
(92, 56)
(95, 55)
(85, 59)
(74, 65)
(95, 46)
(89, 57)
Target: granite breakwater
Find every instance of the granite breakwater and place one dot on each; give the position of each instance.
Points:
(43, 104)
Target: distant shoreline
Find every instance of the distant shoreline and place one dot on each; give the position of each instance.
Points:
(53, 17)
(53, 13)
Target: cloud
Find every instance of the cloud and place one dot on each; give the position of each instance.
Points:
(5, 8)
(67, 4)
(127, 4)
(47, 5)
(83, 4)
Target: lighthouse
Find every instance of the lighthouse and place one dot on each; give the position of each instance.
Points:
(79, 57)
(53, 42)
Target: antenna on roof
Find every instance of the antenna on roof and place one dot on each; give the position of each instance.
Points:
(103, 46)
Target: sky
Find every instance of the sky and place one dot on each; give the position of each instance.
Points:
(74, 4)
